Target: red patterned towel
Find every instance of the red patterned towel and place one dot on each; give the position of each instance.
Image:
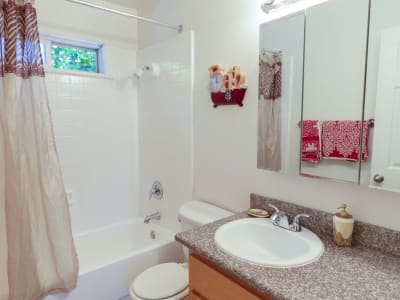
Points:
(341, 140)
(311, 141)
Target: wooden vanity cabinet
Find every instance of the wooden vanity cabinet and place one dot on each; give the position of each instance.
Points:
(209, 282)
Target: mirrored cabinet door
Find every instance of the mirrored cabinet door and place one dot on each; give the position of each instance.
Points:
(335, 56)
(337, 66)
(281, 68)
(382, 101)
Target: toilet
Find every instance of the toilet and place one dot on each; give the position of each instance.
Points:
(170, 281)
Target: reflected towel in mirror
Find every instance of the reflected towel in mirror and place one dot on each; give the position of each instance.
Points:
(341, 140)
(311, 141)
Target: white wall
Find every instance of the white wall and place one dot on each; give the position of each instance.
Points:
(95, 118)
(166, 127)
(166, 11)
(225, 151)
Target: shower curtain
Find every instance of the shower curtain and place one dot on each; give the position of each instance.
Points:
(37, 254)
(269, 111)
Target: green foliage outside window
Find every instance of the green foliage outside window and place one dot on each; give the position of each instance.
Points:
(73, 58)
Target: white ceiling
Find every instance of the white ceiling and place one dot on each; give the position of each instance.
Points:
(127, 3)
(139, 5)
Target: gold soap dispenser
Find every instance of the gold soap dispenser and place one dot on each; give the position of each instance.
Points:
(343, 225)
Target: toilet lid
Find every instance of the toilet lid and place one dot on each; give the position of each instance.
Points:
(161, 281)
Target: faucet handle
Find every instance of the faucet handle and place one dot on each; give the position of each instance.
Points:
(156, 191)
(295, 226)
(279, 218)
(274, 207)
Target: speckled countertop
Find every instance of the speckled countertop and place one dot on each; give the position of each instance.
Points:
(357, 273)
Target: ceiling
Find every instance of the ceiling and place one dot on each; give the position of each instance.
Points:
(139, 5)
(127, 3)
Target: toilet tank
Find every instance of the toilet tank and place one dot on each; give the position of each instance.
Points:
(196, 213)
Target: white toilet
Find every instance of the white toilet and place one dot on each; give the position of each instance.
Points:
(170, 281)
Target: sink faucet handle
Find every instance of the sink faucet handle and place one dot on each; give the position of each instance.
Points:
(274, 207)
(296, 225)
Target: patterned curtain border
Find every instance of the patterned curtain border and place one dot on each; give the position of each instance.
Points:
(20, 51)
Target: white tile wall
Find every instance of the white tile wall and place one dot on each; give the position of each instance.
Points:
(95, 121)
(166, 127)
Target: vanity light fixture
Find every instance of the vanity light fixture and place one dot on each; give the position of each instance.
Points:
(266, 5)
(271, 5)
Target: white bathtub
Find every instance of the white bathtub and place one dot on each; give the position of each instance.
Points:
(111, 257)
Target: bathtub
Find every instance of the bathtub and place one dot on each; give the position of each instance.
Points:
(111, 257)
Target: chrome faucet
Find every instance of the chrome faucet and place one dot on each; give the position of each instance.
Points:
(280, 219)
(155, 216)
(295, 226)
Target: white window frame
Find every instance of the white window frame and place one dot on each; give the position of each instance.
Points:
(48, 39)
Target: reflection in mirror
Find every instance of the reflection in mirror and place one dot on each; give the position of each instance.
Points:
(269, 110)
(382, 101)
(280, 93)
(335, 55)
(350, 77)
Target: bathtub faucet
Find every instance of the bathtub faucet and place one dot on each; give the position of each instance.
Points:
(155, 216)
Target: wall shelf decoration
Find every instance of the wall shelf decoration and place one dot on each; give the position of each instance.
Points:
(227, 88)
(230, 97)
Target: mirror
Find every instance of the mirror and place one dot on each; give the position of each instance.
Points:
(337, 115)
(335, 56)
(281, 69)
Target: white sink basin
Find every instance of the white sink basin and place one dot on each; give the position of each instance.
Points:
(260, 242)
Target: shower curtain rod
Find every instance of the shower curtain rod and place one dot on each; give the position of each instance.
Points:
(178, 28)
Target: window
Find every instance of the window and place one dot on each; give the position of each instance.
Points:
(68, 57)
(71, 55)
(43, 51)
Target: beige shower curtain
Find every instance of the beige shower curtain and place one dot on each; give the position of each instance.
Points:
(37, 254)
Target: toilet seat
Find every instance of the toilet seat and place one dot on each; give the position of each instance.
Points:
(181, 296)
(169, 281)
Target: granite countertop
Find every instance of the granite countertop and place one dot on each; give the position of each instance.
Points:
(356, 273)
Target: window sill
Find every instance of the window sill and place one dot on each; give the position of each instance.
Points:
(78, 73)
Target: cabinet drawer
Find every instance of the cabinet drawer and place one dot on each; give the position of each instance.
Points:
(194, 296)
(208, 283)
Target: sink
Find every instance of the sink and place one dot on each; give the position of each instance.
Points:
(260, 242)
